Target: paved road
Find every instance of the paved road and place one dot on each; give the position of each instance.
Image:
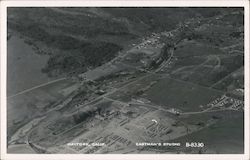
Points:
(167, 61)
(231, 46)
(205, 111)
(35, 87)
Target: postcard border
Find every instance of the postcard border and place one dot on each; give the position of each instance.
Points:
(130, 3)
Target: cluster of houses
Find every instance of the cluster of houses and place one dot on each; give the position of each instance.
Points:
(225, 101)
(152, 40)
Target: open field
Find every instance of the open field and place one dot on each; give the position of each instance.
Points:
(179, 94)
(21, 57)
(21, 148)
(227, 135)
(232, 81)
(168, 92)
(191, 48)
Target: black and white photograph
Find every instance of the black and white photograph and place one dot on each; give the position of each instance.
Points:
(125, 80)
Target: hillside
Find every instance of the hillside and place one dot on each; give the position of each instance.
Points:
(67, 33)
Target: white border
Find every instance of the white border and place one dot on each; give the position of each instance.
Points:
(130, 3)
